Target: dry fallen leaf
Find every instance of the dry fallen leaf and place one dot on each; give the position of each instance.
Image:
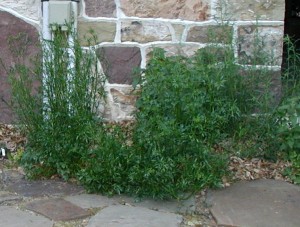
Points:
(11, 137)
(251, 169)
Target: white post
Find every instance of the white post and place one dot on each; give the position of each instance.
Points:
(46, 34)
(71, 64)
(75, 13)
(45, 12)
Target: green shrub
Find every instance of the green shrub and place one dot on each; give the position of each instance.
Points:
(289, 125)
(60, 119)
(184, 108)
(293, 172)
(159, 174)
(287, 114)
(185, 95)
(104, 166)
(187, 108)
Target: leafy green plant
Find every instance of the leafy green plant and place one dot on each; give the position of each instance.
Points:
(291, 69)
(288, 112)
(188, 107)
(293, 172)
(104, 166)
(183, 109)
(289, 125)
(60, 119)
(15, 157)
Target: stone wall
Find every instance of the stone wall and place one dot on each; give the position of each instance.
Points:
(128, 30)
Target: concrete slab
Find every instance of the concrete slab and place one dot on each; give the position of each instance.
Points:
(87, 201)
(57, 209)
(44, 188)
(267, 203)
(128, 216)
(187, 206)
(10, 216)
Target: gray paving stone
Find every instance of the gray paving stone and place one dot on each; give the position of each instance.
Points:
(44, 188)
(87, 201)
(11, 217)
(267, 203)
(174, 206)
(7, 196)
(11, 175)
(129, 216)
(57, 209)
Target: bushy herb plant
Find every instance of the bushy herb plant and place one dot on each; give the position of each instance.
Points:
(188, 108)
(60, 116)
(288, 112)
(185, 107)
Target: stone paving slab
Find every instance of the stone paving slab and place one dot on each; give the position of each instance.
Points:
(8, 196)
(11, 217)
(267, 203)
(57, 209)
(129, 216)
(11, 175)
(174, 206)
(44, 188)
(87, 201)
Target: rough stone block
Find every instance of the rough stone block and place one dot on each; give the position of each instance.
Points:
(27, 8)
(195, 10)
(260, 45)
(122, 98)
(210, 34)
(25, 45)
(120, 103)
(143, 32)
(103, 31)
(118, 63)
(251, 10)
(103, 8)
(187, 50)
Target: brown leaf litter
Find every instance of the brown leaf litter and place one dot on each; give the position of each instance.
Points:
(11, 138)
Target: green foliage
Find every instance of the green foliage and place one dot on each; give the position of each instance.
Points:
(293, 172)
(291, 69)
(159, 173)
(104, 169)
(185, 95)
(288, 112)
(188, 107)
(60, 119)
(289, 124)
(185, 106)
